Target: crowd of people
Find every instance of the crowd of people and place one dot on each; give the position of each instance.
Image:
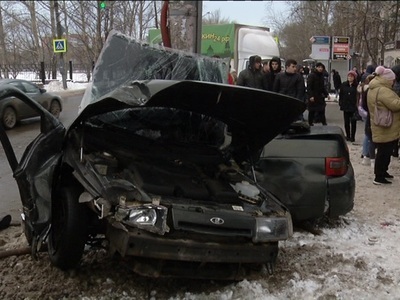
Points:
(290, 81)
(360, 97)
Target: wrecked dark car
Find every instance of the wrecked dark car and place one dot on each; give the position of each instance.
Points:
(158, 171)
(309, 170)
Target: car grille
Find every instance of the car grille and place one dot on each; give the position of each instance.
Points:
(213, 221)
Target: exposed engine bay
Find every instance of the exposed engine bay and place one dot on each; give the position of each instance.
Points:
(174, 163)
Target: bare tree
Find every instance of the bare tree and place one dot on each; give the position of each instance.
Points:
(369, 24)
(214, 17)
(3, 50)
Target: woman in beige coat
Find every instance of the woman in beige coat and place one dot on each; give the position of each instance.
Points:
(380, 89)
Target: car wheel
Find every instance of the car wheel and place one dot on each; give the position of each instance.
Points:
(9, 118)
(55, 108)
(68, 233)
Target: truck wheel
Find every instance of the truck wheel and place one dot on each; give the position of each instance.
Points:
(55, 108)
(9, 117)
(68, 233)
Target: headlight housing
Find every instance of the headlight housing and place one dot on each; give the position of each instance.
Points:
(273, 229)
(149, 217)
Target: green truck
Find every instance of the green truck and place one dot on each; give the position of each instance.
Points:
(235, 41)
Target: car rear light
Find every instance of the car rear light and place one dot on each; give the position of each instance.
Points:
(335, 166)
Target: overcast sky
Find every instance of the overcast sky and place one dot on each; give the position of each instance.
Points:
(247, 12)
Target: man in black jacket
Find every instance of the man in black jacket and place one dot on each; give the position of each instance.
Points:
(337, 82)
(317, 93)
(252, 76)
(290, 82)
(274, 69)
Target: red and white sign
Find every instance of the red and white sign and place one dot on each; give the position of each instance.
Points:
(340, 48)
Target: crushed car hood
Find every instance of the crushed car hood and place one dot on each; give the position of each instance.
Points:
(254, 117)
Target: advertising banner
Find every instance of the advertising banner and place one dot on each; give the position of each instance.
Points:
(218, 39)
(320, 48)
(340, 48)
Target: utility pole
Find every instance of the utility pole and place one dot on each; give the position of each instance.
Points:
(185, 19)
(59, 35)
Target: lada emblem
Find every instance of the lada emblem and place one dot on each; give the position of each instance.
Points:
(217, 221)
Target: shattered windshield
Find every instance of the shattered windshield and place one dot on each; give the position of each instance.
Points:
(123, 60)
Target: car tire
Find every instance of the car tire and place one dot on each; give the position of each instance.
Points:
(55, 108)
(9, 117)
(68, 233)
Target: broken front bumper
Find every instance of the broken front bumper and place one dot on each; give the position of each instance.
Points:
(161, 256)
(136, 242)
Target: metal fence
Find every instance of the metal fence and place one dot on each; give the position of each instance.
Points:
(43, 73)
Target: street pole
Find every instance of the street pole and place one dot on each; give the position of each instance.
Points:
(59, 35)
(185, 19)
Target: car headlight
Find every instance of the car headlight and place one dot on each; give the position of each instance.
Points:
(143, 216)
(149, 217)
(273, 229)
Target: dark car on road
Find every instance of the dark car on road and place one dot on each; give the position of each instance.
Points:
(309, 170)
(158, 171)
(13, 110)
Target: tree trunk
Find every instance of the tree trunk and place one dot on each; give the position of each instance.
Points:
(3, 52)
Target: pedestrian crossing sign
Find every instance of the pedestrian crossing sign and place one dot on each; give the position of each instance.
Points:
(59, 45)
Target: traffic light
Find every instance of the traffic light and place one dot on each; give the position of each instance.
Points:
(102, 4)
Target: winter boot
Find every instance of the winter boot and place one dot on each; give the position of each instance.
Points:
(366, 161)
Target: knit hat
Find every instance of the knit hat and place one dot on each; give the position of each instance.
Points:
(354, 74)
(385, 73)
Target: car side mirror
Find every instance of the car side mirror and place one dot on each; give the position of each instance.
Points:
(42, 91)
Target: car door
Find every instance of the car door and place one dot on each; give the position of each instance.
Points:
(35, 170)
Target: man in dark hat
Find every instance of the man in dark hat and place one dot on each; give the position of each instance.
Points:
(317, 93)
(252, 76)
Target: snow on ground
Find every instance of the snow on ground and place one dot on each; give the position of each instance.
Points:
(57, 86)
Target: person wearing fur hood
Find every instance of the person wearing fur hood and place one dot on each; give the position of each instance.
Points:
(380, 92)
(275, 67)
(252, 76)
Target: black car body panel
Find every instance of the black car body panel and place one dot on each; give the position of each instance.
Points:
(293, 168)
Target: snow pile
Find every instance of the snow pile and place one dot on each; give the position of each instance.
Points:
(57, 86)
